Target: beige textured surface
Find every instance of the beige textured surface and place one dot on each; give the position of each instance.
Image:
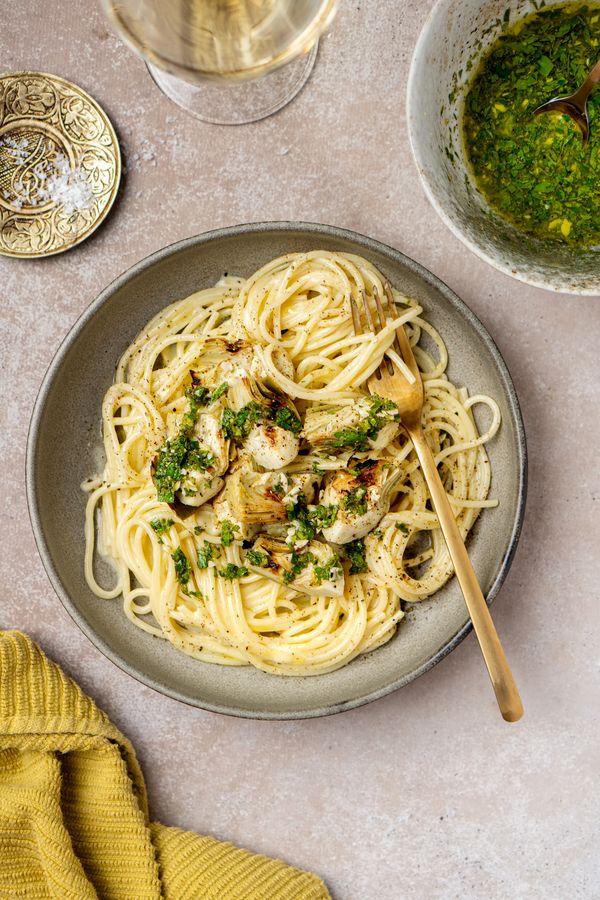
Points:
(425, 794)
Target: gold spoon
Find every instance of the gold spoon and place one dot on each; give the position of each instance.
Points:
(575, 105)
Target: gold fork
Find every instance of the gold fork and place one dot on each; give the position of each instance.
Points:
(388, 381)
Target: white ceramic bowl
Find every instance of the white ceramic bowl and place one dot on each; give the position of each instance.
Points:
(454, 38)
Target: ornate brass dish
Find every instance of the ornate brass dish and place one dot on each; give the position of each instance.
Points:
(60, 164)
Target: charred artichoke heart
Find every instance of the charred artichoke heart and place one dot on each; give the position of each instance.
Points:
(370, 423)
(363, 497)
(314, 570)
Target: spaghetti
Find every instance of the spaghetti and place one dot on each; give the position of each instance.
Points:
(259, 506)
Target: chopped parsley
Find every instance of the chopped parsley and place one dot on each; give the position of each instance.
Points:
(256, 558)
(168, 466)
(355, 502)
(299, 563)
(198, 460)
(546, 65)
(350, 437)
(285, 418)
(310, 519)
(354, 551)
(316, 468)
(324, 515)
(402, 527)
(174, 459)
(232, 571)
(222, 389)
(161, 526)
(227, 535)
(182, 454)
(198, 396)
(367, 430)
(182, 566)
(237, 426)
(327, 571)
(207, 552)
(195, 594)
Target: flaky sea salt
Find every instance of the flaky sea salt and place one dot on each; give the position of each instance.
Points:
(16, 149)
(68, 188)
(58, 182)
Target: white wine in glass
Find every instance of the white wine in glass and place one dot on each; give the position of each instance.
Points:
(226, 61)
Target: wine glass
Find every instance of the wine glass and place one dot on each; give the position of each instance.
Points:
(225, 61)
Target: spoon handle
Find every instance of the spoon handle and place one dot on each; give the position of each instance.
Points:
(581, 95)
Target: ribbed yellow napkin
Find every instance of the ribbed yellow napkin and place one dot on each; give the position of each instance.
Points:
(74, 814)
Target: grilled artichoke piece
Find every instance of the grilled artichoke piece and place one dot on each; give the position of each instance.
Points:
(362, 500)
(368, 423)
(198, 487)
(222, 359)
(188, 466)
(209, 434)
(253, 498)
(267, 425)
(302, 485)
(260, 498)
(224, 512)
(272, 447)
(315, 570)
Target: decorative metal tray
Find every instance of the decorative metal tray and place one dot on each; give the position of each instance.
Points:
(60, 164)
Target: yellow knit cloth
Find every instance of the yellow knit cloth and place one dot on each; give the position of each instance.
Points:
(73, 808)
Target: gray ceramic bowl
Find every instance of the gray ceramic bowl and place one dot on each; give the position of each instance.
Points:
(72, 391)
(454, 38)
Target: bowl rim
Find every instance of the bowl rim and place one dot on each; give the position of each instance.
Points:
(412, 116)
(369, 244)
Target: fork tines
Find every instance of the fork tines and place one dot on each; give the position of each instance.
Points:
(373, 326)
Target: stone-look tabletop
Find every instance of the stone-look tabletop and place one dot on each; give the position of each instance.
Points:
(426, 793)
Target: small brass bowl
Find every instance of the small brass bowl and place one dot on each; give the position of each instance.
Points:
(60, 165)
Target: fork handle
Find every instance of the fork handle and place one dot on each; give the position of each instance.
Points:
(503, 682)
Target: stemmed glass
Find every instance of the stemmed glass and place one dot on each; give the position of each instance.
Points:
(225, 61)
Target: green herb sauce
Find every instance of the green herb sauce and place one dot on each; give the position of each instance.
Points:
(256, 558)
(161, 526)
(328, 571)
(358, 438)
(310, 519)
(355, 502)
(355, 552)
(232, 571)
(207, 552)
(227, 533)
(299, 562)
(182, 566)
(237, 426)
(535, 170)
